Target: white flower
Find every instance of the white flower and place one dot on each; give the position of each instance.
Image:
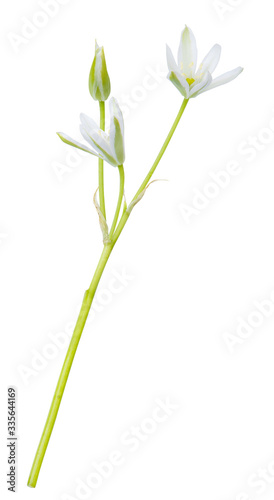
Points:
(184, 75)
(109, 147)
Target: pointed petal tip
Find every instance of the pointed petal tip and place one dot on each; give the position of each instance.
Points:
(83, 118)
(237, 71)
(227, 77)
(114, 100)
(114, 107)
(62, 136)
(113, 103)
(211, 60)
(187, 28)
(217, 47)
(87, 121)
(171, 63)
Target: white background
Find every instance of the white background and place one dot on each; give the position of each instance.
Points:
(162, 335)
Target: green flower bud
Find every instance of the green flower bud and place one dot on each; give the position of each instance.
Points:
(99, 82)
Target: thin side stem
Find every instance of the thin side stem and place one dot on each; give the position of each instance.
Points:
(126, 214)
(162, 150)
(119, 202)
(101, 163)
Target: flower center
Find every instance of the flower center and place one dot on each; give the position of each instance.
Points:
(190, 80)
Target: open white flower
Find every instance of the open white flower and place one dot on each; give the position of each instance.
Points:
(189, 80)
(109, 147)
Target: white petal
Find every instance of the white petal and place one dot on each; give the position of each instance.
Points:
(225, 78)
(91, 127)
(116, 135)
(187, 54)
(116, 111)
(71, 142)
(88, 122)
(99, 143)
(96, 137)
(180, 83)
(171, 63)
(211, 60)
(200, 86)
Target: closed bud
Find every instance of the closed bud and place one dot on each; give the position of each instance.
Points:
(99, 82)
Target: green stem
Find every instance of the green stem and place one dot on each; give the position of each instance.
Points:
(120, 199)
(162, 150)
(101, 163)
(85, 308)
(126, 214)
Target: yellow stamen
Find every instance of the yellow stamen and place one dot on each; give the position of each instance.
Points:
(190, 80)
